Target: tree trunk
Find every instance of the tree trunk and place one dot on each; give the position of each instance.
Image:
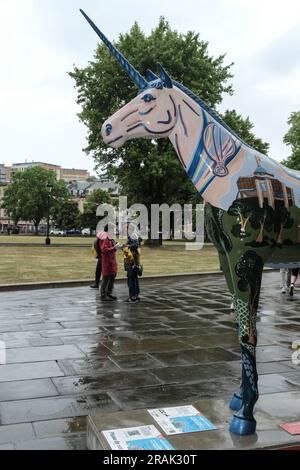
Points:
(279, 237)
(260, 236)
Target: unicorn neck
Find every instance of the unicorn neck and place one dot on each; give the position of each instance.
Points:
(204, 146)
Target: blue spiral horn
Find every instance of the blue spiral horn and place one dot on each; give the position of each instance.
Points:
(132, 72)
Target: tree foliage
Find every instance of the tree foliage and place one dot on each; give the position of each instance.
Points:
(292, 138)
(89, 219)
(28, 196)
(65, 214)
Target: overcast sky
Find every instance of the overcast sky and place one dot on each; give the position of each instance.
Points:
(42, 39)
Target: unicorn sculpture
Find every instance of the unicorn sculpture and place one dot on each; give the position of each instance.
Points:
(252, 203)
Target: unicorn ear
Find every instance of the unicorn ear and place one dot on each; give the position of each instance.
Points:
(165, 78)
(151, 75)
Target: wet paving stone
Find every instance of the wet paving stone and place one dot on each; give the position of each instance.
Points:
(9, 327)
(143, 346)
(154, 334)
(135, 361)
(16, 432)
(191, 323)
(27, 371)
(195, 356)
(70, 332)
(224, 340)
(40, 409)
(104, 381)
(18, 336)
(201, 331)
(7, 447)
(84, 339)
(190, 374)
(95, 322)
(87, 366)
(130, 335)
(272, 353)
(45, 353)
(274, 367)
(45, 342)
(20, 390)
(57, 427)
(177, 346)
(273, 383)
(172, 395)
(292, 376)
(54, 443)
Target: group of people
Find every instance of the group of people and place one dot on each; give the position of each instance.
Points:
(288, 278)
(105, 249)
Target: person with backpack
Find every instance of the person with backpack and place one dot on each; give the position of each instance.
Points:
(132, 265)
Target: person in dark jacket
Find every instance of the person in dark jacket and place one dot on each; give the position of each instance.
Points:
(131, 265)
(98, 265)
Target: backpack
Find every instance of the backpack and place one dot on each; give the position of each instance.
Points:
(94, 251)
(127, 255)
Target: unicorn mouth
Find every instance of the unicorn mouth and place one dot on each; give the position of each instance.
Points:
(114, 140)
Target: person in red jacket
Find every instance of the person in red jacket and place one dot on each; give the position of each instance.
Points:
(109, 266)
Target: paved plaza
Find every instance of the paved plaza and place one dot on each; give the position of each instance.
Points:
(68, 352)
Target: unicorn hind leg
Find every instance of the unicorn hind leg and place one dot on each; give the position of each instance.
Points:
(243, 422)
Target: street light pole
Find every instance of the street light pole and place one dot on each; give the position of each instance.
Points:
(49, 189)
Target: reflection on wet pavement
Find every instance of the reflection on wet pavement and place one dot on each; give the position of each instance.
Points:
(69, 353)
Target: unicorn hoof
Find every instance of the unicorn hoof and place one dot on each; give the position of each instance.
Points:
(236, 402)
(242, 426)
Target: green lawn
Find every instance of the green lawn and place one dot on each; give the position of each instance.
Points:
(41, 263)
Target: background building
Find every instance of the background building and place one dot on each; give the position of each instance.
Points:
(2, 174)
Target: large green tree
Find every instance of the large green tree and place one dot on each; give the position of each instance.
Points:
(89, 219)
(292, 138)
(149, 171)
(29, 194)
(65, 213)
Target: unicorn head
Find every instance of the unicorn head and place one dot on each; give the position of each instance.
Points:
(151, 114)
(204, 144)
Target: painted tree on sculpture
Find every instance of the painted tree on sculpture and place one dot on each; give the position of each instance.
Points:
(262, 218)
(283, 220)
(241, 210)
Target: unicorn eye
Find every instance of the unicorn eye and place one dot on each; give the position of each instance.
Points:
(108, 129)
(148, 97)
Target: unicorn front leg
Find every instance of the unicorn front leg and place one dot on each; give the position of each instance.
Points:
(243, 422)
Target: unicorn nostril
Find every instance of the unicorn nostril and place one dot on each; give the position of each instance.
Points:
(108, 129)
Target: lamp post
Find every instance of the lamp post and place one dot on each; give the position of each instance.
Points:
(49, 189)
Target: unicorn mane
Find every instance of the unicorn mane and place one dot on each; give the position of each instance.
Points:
(210, 111)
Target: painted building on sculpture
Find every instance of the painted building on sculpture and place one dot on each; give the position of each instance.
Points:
(265, 187)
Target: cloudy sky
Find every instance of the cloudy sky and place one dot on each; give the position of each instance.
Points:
(42, 39)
